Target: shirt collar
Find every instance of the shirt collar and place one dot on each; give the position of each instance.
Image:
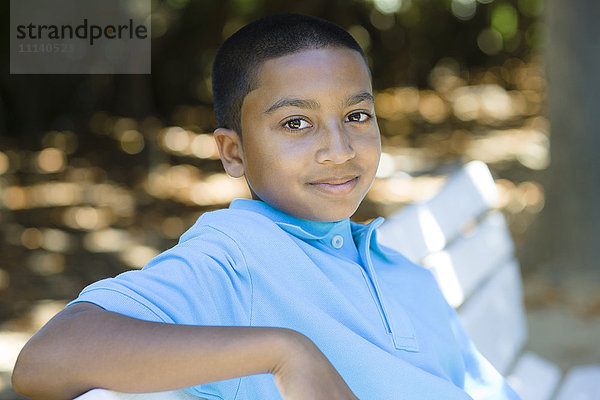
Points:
(315, 230)
(301, 228)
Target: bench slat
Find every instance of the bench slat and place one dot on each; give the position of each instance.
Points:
(466, 195)
(534, 378)
(470, 259)
(582, 383)
(102, 394)
(421, 228)
(495, 318)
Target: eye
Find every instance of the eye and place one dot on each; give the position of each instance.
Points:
(296, 124)
(358, 117)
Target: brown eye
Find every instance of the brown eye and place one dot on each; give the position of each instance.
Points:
(358, 117)
(296, 124)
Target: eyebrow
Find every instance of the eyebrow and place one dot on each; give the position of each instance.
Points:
(290, 102)
(313, 104)
(359, 98)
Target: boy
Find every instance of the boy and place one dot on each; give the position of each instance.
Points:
(280, 296)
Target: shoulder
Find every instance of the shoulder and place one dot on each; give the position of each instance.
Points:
(228, 222)
(226, 236)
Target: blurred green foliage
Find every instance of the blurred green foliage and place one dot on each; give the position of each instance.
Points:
(404, 40)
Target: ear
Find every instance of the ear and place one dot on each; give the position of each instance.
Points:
(230, 151)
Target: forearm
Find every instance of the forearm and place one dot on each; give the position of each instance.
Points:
(90, 348)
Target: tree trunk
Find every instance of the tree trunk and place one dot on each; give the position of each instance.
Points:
(567, 233)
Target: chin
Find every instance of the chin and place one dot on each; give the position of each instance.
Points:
(332, 216)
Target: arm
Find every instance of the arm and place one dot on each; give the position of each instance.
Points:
(84, 347)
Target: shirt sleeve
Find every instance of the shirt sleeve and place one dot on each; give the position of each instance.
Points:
(482, 381)
(202, 281)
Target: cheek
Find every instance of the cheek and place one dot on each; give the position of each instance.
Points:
(288, 155)
(369, 149)
(267, 164)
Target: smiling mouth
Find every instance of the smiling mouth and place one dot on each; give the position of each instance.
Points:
(336, 186)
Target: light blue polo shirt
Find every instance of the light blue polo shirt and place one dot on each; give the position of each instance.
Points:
(380, 319)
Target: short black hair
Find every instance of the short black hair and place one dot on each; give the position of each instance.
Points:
(239, 58)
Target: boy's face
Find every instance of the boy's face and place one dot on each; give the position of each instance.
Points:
(311, 143)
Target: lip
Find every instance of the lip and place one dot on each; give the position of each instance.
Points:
(336, 185)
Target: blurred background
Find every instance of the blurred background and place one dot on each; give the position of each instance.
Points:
(99, 173)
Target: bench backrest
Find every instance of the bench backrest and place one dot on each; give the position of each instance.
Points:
(465, 242)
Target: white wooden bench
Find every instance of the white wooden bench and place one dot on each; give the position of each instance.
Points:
(465, 242)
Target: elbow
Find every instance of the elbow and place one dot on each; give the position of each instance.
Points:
(28, 377)
(17, 380)
(20, 384)
(21, 380)
(23, 376)
(44, 368)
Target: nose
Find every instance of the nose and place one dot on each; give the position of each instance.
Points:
(335, 146)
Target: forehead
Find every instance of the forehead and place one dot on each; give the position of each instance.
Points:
(312, 71)
(313, 55)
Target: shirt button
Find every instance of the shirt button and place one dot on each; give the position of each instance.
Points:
(337, 241)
